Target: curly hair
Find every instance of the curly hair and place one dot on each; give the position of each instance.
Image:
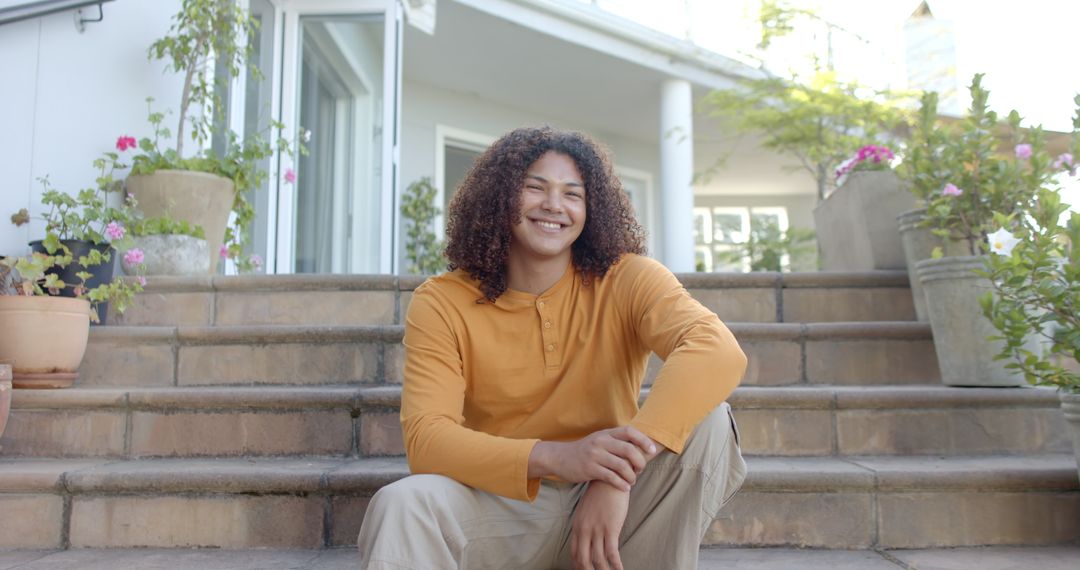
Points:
(488, 204)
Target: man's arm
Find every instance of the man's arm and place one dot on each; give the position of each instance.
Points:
(615, 456)
(703, 363)
(432, 418)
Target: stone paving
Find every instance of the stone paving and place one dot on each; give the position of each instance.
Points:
(981, 558)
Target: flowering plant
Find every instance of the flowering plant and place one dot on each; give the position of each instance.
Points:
(88, 217)
(205, 34)
(963, 179)
(869, 157)
(1035, 274)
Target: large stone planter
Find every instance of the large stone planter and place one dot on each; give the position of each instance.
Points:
(196, 197)
(856, 225)
(171, 255)
(918, 244)
(965, 356)
(1070, 406)
(43, 339)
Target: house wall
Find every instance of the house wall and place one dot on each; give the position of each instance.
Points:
(425, 106)
(69, 95)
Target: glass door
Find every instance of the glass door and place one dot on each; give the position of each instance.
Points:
(339, 96)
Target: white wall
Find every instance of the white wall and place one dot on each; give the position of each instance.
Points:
(424, 106)
(67, 96)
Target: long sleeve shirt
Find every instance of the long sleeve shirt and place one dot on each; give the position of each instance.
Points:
(484, 382)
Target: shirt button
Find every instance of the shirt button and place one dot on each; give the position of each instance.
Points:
(547, 324)
(551, 348)
(540, 304)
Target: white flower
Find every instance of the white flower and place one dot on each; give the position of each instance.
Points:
(1002, 242)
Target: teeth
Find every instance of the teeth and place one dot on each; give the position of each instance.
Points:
(549, 225)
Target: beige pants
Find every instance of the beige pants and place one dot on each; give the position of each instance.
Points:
(431, 522)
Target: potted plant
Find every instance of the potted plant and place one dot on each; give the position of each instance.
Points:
(169, 247)
(82, 233)
(1034, 270)
(964, 179)
(856, 224)
(203, 188)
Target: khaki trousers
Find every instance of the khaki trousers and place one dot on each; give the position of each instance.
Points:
(431, 522)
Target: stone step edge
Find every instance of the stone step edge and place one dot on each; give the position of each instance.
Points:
(356, 399)
(405, 283)
(271, 334)
(1028, 473)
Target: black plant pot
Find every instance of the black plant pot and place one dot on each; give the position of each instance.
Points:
(101, 274)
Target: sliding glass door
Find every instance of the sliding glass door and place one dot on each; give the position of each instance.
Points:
(339, 95)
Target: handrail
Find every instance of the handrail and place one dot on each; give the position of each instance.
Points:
(28, 10)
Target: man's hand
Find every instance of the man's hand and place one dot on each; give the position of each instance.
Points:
(598, 520)
(614, 456)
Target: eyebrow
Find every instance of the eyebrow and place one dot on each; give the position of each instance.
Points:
(545, 180)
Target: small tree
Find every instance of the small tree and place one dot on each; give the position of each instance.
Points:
(821, 123)
(205, 33)
(766, 246)
(423, 249)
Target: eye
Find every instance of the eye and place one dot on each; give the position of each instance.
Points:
(533, 187)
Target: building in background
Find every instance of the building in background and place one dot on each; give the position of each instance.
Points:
(930, 57)
(393, 91)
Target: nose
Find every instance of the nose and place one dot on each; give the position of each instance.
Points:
(552, 200)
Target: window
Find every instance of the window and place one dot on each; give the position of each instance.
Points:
(720, 232)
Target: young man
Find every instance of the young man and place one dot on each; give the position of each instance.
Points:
(523, 367)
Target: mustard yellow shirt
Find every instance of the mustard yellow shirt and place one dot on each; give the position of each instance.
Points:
(485, 381)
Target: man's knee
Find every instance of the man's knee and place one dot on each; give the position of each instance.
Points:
(714, 433)
(414, 491)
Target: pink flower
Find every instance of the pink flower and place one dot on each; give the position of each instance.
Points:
(951, 190)
(223, 252)
(142, 280)
(1064, 160)
(256, 260)
(114, 230)
(290, 175)
(134, 256)
(123, 143)
(1023, 151)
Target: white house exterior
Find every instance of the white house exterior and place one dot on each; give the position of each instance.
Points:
(388, 103)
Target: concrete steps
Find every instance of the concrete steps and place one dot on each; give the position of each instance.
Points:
(353, 421)
(379, 300)
(780, 354)
(261, 412)
(835, 502)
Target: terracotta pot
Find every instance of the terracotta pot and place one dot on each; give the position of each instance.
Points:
(5, 395)
(43, 339)
(198, 198)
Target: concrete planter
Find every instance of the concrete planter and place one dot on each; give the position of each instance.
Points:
(965, 356)
(172, 255)
(1070, 406)
(195, 197)
(43, 339)
(918, 243)
(5, 395)
(856, 225)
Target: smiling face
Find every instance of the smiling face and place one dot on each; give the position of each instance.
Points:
(552, 210)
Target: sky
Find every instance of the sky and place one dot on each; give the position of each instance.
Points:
(1024, 48)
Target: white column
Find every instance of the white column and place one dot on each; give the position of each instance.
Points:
(676, 174)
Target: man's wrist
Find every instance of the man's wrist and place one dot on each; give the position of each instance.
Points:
(540, 460)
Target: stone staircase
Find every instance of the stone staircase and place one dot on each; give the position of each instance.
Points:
(261, 412)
